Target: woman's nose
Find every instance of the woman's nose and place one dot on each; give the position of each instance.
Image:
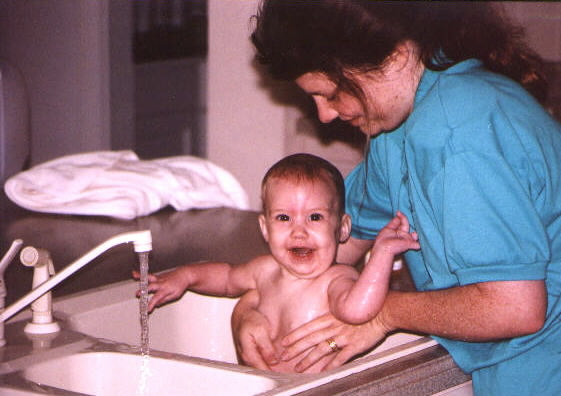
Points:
(326, 112)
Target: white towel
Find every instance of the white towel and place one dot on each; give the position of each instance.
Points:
(119, 184)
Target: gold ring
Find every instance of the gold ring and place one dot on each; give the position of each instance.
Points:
(332, 344)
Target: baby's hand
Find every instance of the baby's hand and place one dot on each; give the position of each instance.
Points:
(165, 287)
(395, 237)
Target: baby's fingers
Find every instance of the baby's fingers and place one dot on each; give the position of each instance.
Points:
(160, 298)
(403, 221)
(395, 223)
(151, 277)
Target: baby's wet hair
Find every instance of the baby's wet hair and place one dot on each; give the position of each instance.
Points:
(306, 167)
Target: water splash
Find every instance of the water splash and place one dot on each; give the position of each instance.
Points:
(145, 373)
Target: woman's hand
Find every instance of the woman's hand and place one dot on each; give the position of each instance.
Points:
(326, 335)
(251, 331)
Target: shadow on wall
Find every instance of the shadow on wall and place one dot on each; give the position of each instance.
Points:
(553, 73)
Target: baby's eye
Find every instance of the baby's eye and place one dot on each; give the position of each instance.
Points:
(282, 217)
(316, 217)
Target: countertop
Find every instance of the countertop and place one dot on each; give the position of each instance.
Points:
(180, 237)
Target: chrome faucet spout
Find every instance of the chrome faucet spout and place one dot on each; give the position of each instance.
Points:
(9, 256)
(142, 241)
(4, 262)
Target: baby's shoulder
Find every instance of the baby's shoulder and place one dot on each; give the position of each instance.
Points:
(263, 268)
(337, 270)
(263, 262)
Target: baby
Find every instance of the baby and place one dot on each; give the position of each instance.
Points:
(303, 222)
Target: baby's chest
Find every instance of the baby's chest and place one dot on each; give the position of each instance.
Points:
(288, 309)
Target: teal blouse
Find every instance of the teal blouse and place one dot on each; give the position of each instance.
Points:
(477, 169)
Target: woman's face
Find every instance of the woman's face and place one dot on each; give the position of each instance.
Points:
(389, 95)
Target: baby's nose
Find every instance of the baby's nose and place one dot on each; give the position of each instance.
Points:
(299, 231)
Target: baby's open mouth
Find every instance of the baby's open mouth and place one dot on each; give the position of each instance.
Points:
(301, 251)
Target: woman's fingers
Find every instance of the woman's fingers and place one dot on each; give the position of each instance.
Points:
(308, 329)
(257, 350)
(252, 333)
(330, 337)
(308, 335)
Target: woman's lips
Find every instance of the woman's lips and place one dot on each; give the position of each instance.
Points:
(354, 121)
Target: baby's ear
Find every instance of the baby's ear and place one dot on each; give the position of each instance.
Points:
(263, 226)
(345, 228)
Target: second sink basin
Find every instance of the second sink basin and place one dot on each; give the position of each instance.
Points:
(112, 373)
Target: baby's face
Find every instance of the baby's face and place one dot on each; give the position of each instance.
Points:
(302, 225)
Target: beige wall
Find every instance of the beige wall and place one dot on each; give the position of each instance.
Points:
(245, 129)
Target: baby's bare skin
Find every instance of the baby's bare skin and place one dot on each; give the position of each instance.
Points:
(302, 300)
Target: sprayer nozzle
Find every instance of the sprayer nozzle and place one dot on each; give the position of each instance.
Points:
(33, 257)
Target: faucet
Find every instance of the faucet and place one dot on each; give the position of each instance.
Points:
(6, 260)
(142, 241)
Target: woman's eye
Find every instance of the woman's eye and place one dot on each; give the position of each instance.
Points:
(316, 217)
(282, 217)
(333, 96)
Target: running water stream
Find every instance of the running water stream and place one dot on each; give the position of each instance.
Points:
(144, 338)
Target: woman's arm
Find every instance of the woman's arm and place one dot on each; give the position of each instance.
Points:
(479, 312)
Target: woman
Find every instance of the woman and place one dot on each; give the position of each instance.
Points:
(448, 95)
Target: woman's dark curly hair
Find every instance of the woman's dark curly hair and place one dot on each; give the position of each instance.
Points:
(293, 37)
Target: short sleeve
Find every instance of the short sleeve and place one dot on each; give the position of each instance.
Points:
(490, 222)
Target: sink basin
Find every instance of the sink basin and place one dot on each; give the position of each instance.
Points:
(114, 373)
(194, 327)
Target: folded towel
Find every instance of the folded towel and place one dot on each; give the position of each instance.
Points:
(119, 184)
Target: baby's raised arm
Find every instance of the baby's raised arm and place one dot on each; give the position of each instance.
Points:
(212, 278)
(356, 301)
